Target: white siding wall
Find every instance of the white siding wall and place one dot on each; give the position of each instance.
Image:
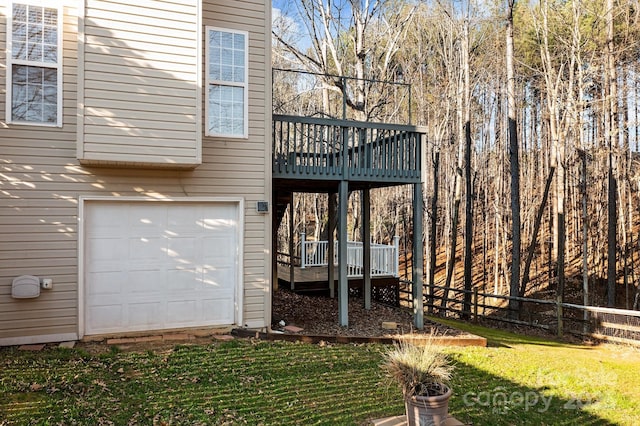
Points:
(41, 178)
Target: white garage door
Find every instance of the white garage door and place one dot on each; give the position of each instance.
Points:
(160, 265)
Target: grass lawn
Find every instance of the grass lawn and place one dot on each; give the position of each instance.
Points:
(517, 381)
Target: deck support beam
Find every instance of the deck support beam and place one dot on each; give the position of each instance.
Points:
(291, 245)
(366, 247)
(343, 281)
(418, 261)
(330, 244)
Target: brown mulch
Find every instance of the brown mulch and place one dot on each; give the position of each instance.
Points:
(318, 315)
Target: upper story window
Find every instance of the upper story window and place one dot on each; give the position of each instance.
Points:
(227, 83)
(34, 63)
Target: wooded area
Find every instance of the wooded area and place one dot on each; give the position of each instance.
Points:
(532, 116)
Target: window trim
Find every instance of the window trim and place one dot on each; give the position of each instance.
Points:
(11, 61)
(209, 83)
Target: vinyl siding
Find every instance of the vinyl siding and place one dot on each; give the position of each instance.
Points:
(41, 178)
(132, 54)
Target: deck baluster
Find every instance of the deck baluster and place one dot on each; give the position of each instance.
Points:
(309, 148)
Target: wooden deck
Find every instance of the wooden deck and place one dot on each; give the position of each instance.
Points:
(315, 280)
(319, 274)
(322, 149)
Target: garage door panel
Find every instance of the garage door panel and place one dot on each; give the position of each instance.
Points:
(107, 318)
(180, 312)
(222, 277)
(183, 249)
(218, 246)
(145, 217)
(103, 220)
(144, 315)
(104, 283)
(181, 218)
(181, 280)
(106, 248)
(159, 265)
(216, 310)
(106, 267)
(142, 248)
(146, 281)
(218, 224)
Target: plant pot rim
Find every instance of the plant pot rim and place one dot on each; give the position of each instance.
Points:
(446, 395)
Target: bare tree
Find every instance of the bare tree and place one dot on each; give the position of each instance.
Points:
(514, 162)
(612, 138)
(350, 38)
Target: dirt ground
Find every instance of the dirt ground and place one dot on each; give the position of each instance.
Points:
(318, 315)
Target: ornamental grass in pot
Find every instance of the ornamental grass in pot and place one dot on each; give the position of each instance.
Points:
(423, 373)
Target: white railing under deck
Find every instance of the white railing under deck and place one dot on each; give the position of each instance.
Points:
(384, 258)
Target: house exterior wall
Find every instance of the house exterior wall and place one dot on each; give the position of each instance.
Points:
(43, 172)
(139, 83)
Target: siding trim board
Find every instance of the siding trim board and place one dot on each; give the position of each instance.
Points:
(45, 338)
(80, 70)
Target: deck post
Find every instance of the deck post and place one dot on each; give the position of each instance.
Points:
(291, 245)
(396, 265)
(418, 304)
(330, 245)
(366, 247)
(303, 250)
(343, 283)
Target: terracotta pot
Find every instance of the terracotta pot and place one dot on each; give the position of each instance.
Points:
(428, 410)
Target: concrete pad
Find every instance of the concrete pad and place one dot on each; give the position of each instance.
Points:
(389, 325)
(462, 340)
(223, 337)
(402, 421)
(207, 332)
(121, 341)
(176, 337)
(68, 345)
(293, 329)
(33, 348)
(148, 339)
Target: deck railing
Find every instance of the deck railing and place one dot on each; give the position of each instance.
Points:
(384, 258)
(318, 148)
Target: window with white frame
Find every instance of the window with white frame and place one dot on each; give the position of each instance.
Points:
(34, 63)
(227, 82)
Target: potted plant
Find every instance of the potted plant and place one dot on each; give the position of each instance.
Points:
(423, 373)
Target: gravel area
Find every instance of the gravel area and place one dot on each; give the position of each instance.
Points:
(318, 315)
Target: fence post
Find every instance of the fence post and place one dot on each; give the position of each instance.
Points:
(475, 304)
(303, 250)
(559, 313)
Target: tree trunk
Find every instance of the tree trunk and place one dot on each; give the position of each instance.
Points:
(536, 231)
(468, 216)
(431, 272)
(514, 161)
(613, 143)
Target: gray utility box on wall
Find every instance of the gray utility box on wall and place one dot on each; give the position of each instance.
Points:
(25, 287)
